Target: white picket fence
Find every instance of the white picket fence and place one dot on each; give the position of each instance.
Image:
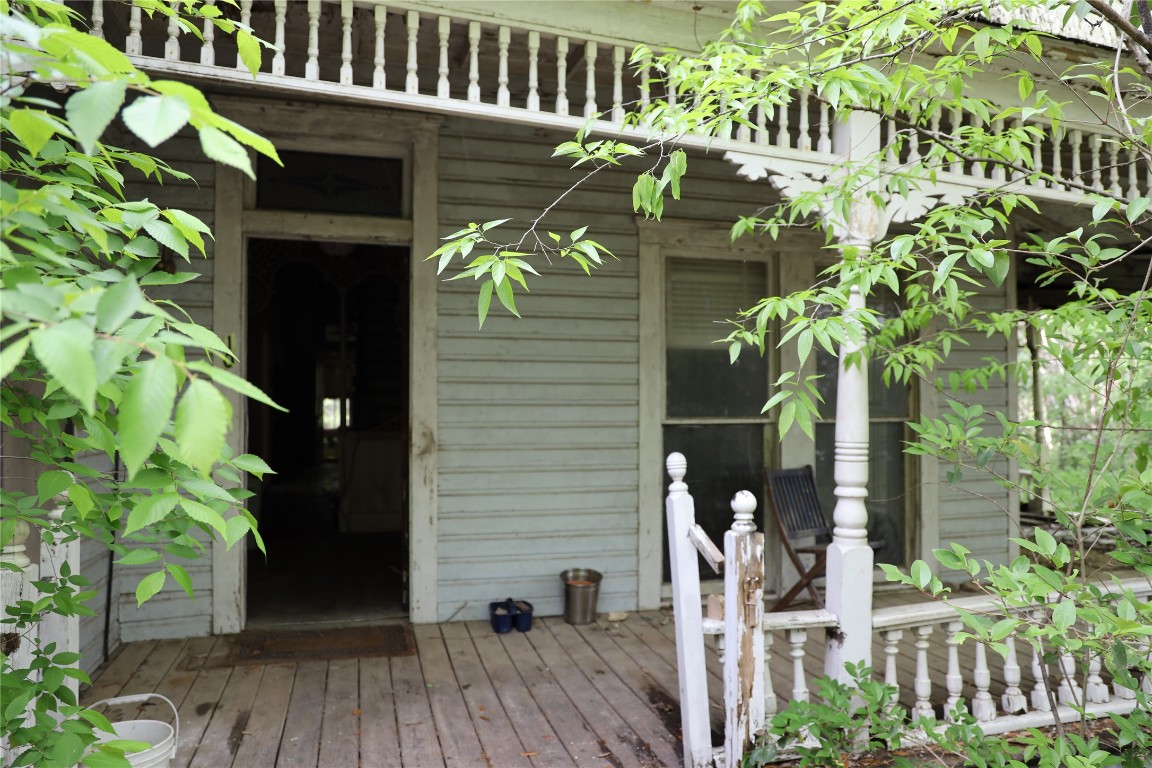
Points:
(744, 637)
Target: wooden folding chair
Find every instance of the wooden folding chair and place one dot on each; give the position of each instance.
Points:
(798, 515)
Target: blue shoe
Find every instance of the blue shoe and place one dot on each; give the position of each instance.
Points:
(501, 614)
(523, 616)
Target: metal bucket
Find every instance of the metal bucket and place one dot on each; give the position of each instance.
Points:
(581, 588)
(162, 736)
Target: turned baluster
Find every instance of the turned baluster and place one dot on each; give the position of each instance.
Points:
(443, 30)
(207, 47)
(761, 124)
(97, 19)
(645, 93)
(997, 170)
(617, 84)
(803, 140)
(1057, 138)
(770, 702)
(891, 639)
(1094, 153)
(246, 22)
(1037, 160)
(1013, 700)
(412, 80)
(281, 10)
(913, 146)
(561, 75)
(824, 143)
(1115, 188)
(533, 74)
(1095, 691)
(1076, 139)
(312, 67)
(1146, 681)
(172, 44)
(953, 680)
(17, 585)
(473, 61)
(589, 79)
(724, 130)
(983, 706)
(346, 42)
(1040, 699)
(923, 683)
(1133, 188)
(503, 39)
(1069, 691)
(783, 139)
(891, 136)
(796, 640)
(957, 163)
(380, 17)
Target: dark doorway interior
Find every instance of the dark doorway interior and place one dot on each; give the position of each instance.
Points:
(327, 339)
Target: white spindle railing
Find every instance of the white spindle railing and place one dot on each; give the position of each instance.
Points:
(325, 47)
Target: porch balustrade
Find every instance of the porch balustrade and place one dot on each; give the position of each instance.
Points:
(409, 57)
(1002, 693)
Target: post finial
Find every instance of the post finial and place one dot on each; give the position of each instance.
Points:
(743, 505)
(677, 467)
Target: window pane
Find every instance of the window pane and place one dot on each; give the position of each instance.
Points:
(700, 294)
(722, 459)
(310, 181)
(886, 489)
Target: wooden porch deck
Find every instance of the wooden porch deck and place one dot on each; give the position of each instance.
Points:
(604, 694)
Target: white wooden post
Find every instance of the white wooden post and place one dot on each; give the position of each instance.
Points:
(849, 570)
(14, 587)
(744, 637)
(690, 661)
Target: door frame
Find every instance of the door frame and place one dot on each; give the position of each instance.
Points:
(336, 129)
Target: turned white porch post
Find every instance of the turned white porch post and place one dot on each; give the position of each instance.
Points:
(849, 570)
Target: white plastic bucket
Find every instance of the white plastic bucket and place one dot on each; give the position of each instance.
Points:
(160, 735)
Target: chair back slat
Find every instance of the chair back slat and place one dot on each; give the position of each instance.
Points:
(795, 502)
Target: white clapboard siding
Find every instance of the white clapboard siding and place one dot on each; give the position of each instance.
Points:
(94, 566)
(974, 511)
(538, 418)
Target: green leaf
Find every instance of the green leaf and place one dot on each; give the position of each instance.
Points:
(65, 351)
(484, 301)
(235, 383)
(249, 48)
(90, 110)
(11, 354)
(1136, 208)
(252, 464)
(118, 303)
(202, 513)
(33, 128)
(66, 749)
(224, 149)
(169, 235)
(235, 529)
(155, 119)
(140, 556)
(145, 411)
(1064, 615)
(149, 586)
(999, 269)
(150, 510)
(52, 483)
(202, 420)
(504, 292)
(181, 577)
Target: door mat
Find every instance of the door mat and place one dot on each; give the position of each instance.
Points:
(265, 646)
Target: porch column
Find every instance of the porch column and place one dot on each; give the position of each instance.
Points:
(849, 570)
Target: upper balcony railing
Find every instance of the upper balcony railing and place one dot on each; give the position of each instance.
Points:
(403, 55)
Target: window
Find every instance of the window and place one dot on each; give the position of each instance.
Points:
(321, 183)
(712, 407)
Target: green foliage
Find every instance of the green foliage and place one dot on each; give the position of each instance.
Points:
(98, 372)
(845, 721)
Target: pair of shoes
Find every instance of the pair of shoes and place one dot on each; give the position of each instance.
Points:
(505, 614)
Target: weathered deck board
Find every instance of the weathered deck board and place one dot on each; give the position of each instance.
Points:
(601, 695)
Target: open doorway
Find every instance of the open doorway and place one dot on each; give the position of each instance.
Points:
(327, 339)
